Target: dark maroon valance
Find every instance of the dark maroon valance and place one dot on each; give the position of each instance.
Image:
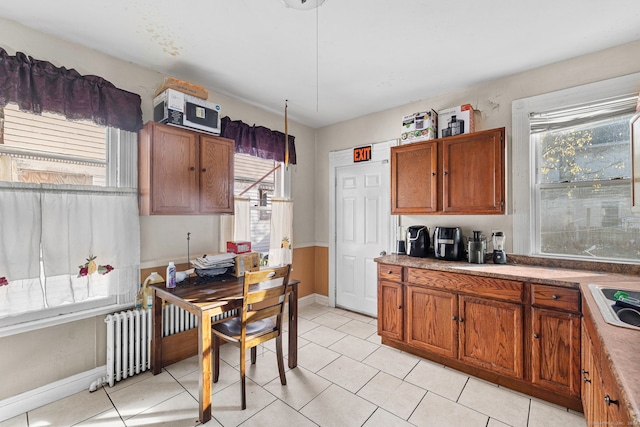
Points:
(258, 141)
(38, 86)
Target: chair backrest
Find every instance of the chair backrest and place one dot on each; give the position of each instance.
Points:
(268, 286)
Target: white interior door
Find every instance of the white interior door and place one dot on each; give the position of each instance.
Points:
(362, 224)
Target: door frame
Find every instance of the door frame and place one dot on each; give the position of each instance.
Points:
(380, 152)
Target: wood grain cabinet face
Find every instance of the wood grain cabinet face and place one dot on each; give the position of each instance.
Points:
(491, 335)
(432, 320)
(555, 352)
(463, 174)
(182, 172)
(390, 310)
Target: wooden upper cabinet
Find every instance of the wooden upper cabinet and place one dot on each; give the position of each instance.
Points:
(463, 174)
(473, 173)
(414, 178)
(183, 172)
(216, 175)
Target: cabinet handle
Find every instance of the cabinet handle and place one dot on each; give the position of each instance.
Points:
(609, 400)
(453, 318)
(389, 272)
(204, 169)
(584, 372)
(399, 307)
(586, 380)
(536, 336)
(555, 296)
(192, 168)
(446, 173)
(433, 174)
(461, 319)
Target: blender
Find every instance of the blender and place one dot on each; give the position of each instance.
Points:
(499, 256)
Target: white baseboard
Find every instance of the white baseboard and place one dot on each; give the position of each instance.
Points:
(32, 399)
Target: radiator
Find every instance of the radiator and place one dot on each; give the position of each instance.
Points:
(129, 336)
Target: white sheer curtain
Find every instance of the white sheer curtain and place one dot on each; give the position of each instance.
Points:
(281, 239)
(90, 244)
(20, 227)
(237, 226)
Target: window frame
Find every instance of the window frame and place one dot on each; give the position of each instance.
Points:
(121, 176)
(525, 238)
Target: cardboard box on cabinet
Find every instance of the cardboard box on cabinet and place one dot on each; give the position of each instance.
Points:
(456, 121)
(420, 126)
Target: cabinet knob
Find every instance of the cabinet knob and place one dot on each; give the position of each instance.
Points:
(433, 174)
(586, 380)
(461, 319)
(555, 296)
(192, 168)
(584, 372)
(453, 318)
(204, 169)
(608, 400)
(389, 272)
(536, 336)
(446, 173)
(399, 307)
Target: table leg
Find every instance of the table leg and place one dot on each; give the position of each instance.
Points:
(204, 356)
(293, 326)
(156, 341)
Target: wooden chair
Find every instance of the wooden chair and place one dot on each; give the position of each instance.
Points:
(254, 325)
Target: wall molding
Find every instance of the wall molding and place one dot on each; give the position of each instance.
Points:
(32, 399)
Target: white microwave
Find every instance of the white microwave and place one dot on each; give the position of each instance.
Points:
(179, 109)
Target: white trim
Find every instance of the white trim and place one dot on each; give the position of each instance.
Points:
(33, 325)
(522, 151)
(380, 152)
(32, 399)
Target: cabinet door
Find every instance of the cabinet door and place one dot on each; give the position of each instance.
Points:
(414, 178)
(555, 353)
(174, 176)
(216, 175)
(491, 335)
(432, 320)
(587, 372)
(390, 311)
(473, 173)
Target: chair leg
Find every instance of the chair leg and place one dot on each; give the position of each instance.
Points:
(243, 354)
(283, 379)
(254, 355)
(216, 358)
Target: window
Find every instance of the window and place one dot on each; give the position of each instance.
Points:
(575, 202)
(68, 219)
(248, 172)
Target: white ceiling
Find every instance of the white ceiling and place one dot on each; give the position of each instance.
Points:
(343, 60)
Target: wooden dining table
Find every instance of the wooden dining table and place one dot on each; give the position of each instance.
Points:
(207, 301)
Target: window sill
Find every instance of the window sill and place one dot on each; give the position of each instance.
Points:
(33, 325)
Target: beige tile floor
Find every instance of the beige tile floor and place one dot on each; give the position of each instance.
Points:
(345, 377)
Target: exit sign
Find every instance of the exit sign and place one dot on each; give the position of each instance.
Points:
(362, 154)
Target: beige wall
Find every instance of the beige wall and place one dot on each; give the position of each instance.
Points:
(492, 100)
(33, 359)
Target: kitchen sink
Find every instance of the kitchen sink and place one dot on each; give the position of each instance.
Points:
(612, 313)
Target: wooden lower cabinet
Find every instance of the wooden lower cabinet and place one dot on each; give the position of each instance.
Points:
(390, 311)
(520, 335)
(555, 350)
(491, 335)
(432, 320)
(600, 396)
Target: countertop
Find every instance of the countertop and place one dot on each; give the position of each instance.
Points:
(620, 346)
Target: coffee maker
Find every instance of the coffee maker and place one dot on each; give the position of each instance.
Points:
(499, 255)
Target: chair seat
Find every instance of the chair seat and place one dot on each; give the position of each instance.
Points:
(232, 327)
